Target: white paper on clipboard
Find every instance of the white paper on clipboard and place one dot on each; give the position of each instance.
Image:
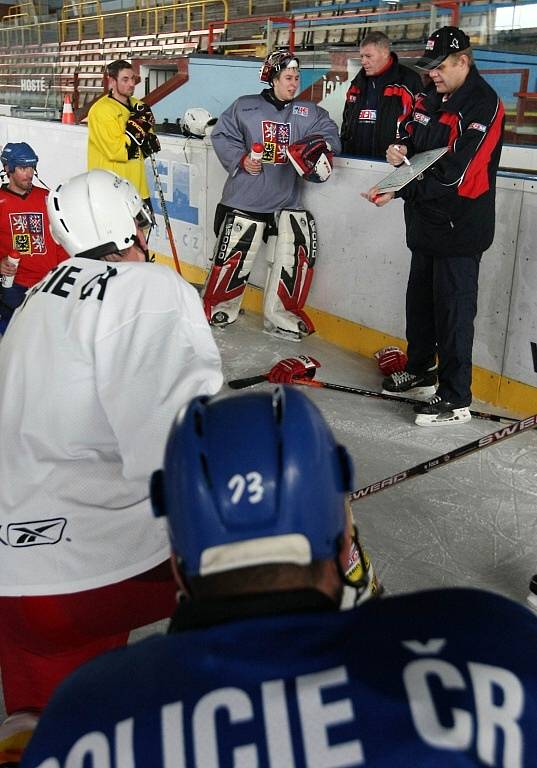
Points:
(404, 174)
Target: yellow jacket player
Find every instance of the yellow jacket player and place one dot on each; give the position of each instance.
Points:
(120, 134)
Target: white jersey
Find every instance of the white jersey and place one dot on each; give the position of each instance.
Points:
(93, 369)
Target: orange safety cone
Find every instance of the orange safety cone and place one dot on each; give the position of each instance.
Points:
(68, 116)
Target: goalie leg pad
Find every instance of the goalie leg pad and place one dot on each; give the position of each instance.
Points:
(290, 272)
(238, 243)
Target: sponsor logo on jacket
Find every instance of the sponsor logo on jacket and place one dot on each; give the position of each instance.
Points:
(419, 117)
(477, 127)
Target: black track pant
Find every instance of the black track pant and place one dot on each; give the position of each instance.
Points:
(441, 304)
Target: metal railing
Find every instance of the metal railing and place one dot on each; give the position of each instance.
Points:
(150, 19)
(264, 40)
(21, 25)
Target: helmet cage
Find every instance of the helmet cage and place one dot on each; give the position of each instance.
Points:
(275, 63)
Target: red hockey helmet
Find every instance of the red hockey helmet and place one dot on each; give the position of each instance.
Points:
(275, 62)
(312, 158)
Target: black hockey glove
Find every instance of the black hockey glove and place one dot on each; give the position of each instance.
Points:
(150, 145)
(141, 111)
(137, 129)
(133, 151)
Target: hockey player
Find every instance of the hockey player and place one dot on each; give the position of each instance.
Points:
(259, 667)
(261, 199)
(97, 361)
(27, 250)
(120, 129)
(450, 219)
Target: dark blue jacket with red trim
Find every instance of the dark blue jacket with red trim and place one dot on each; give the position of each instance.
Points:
(375, 107)
(451, 208)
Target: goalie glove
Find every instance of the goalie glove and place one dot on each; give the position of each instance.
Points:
(293, 368)
(391, 360)
(150, 145)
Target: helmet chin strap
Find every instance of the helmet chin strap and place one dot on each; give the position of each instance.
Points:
(355, 573)
(138, 244)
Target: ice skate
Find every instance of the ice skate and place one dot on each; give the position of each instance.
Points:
(438, 412)
(418, 385)
(282, 333)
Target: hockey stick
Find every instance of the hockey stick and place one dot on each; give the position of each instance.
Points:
(249, 382)
(421, 469)
(382, 396)
(165, 214)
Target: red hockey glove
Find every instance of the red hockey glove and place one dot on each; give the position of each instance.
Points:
(391, 360)
(292, 368)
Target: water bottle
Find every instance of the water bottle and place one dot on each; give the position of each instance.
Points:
(256, 152)
(7, 280)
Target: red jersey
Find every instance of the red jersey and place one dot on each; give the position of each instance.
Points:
(24, 227)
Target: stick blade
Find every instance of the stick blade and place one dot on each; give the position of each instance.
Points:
(249, 382)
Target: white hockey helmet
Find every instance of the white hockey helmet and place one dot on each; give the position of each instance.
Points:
(96, 213)
(197, 122)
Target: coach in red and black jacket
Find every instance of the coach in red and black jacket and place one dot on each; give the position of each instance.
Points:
(379, 99)
(449, 216)
(453, 204)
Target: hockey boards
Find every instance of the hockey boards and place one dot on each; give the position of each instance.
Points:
(439, 461)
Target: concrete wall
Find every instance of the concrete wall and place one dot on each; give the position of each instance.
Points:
(363, 261)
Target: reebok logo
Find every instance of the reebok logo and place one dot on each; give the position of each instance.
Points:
(33, 533)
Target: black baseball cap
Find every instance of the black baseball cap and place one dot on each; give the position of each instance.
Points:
(441, 44)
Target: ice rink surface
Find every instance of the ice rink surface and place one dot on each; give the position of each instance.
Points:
(472, 522)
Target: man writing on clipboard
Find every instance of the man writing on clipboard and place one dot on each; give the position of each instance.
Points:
(449, 217)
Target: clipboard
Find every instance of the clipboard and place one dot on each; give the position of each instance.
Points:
(404, 174)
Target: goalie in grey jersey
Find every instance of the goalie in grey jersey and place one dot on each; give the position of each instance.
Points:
(261, 199)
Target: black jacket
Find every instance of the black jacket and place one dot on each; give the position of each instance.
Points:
(374, 108)
(451, 208)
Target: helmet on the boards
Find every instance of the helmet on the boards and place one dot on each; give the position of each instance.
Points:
(197, 122)
(96, 213)
(312, 158)
(275, 63)
(251, 480)
(18, 155)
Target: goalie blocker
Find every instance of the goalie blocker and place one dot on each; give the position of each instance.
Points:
(291, 258)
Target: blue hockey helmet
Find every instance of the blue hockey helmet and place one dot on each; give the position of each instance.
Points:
(250, 480)
(18, 155)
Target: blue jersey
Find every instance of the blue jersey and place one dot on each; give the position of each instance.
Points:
(439, 678)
